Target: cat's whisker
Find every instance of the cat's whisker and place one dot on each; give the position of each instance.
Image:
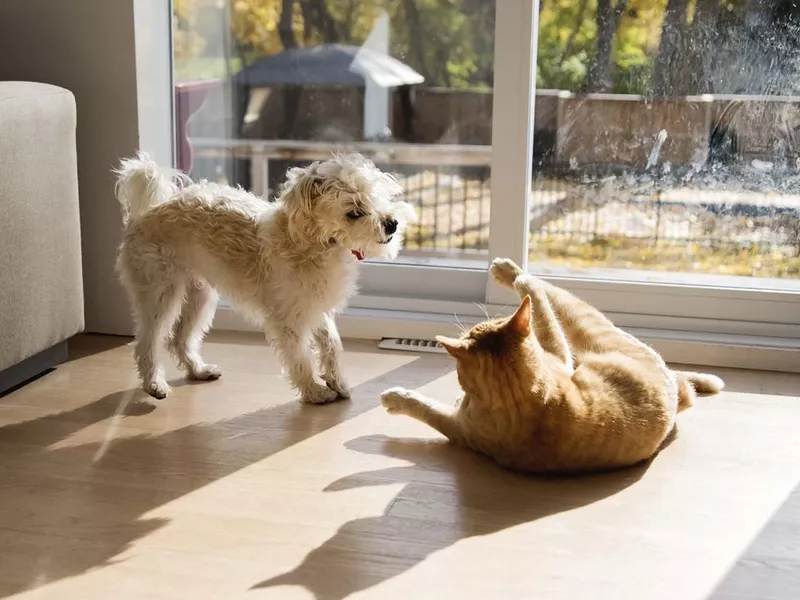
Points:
(502, 312)
(461, 326)
(483, 309)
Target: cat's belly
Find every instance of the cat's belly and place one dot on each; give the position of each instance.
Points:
(594, 446)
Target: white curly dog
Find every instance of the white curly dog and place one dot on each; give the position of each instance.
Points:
(288, 265)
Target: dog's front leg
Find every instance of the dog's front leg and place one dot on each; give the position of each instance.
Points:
(295, 352)
(329, 346)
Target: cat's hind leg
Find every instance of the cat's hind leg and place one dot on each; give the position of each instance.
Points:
(546, 327)
(587, 330)
(442, 418)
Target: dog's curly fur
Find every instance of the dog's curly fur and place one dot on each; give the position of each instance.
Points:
(289, 265)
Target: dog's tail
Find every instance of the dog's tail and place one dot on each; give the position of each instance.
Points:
(142, 184)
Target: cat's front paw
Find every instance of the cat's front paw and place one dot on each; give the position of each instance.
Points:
(396, 400)
(505, 271)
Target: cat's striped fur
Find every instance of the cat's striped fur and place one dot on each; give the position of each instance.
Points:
(556, 386)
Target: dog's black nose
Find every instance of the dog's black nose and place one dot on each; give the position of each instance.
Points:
(390, 226)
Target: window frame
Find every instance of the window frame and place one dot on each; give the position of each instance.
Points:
(430, 290)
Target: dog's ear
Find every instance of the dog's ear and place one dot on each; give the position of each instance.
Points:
(303, 189)
(304, 182)
(309, 187)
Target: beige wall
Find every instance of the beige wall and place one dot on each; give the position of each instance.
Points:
(86, 46)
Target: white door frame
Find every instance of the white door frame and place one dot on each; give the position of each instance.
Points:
(438, 290)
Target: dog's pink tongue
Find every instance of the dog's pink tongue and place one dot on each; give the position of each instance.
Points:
(358, 254)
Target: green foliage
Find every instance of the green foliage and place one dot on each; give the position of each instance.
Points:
(199, 69)
(451, 42)
(635, 45)
(443, 43)
(566, 40)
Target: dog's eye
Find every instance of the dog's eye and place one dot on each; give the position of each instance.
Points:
(355, 214)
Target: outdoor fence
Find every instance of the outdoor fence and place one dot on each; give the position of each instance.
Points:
(723, 210)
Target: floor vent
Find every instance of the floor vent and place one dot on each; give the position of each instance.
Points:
(411, 345)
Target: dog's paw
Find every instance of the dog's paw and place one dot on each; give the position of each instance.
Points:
(319, 394)
(505, 271)
(158, 389)
(338, 386)
(206, 373)
(396, 400)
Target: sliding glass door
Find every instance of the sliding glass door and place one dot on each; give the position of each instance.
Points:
(666, 155)
(643, 154)
(262, 85)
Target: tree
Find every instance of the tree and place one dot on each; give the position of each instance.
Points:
(661, 47)
(566, 40)
(669, 46)
(416, 36)
(285, 30)
(316, 16)
(255, 24)
(600, 77)
(450, 43)
(687, 49)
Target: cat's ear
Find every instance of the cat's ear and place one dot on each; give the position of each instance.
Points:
(455, 348)
(520, 321)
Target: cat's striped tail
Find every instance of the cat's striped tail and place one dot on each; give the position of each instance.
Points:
(690, 382)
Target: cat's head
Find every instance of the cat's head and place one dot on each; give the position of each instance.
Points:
(493, 348)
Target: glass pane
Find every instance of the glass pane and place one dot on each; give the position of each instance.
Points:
(264, 85)
(667, 142)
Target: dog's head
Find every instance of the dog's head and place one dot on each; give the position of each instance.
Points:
(347, 201)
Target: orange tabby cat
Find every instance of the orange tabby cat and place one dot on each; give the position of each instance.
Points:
(565, 390)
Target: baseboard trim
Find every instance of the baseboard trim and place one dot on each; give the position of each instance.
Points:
(688, 348)
(31, 368)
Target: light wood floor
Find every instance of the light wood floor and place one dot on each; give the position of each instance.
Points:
(233, 490)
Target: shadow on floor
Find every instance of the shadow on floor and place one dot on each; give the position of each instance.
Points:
(67, 510)
(449, 495)
(87, 344)
(770, 567)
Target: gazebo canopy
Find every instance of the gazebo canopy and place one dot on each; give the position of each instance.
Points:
(328, 64)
